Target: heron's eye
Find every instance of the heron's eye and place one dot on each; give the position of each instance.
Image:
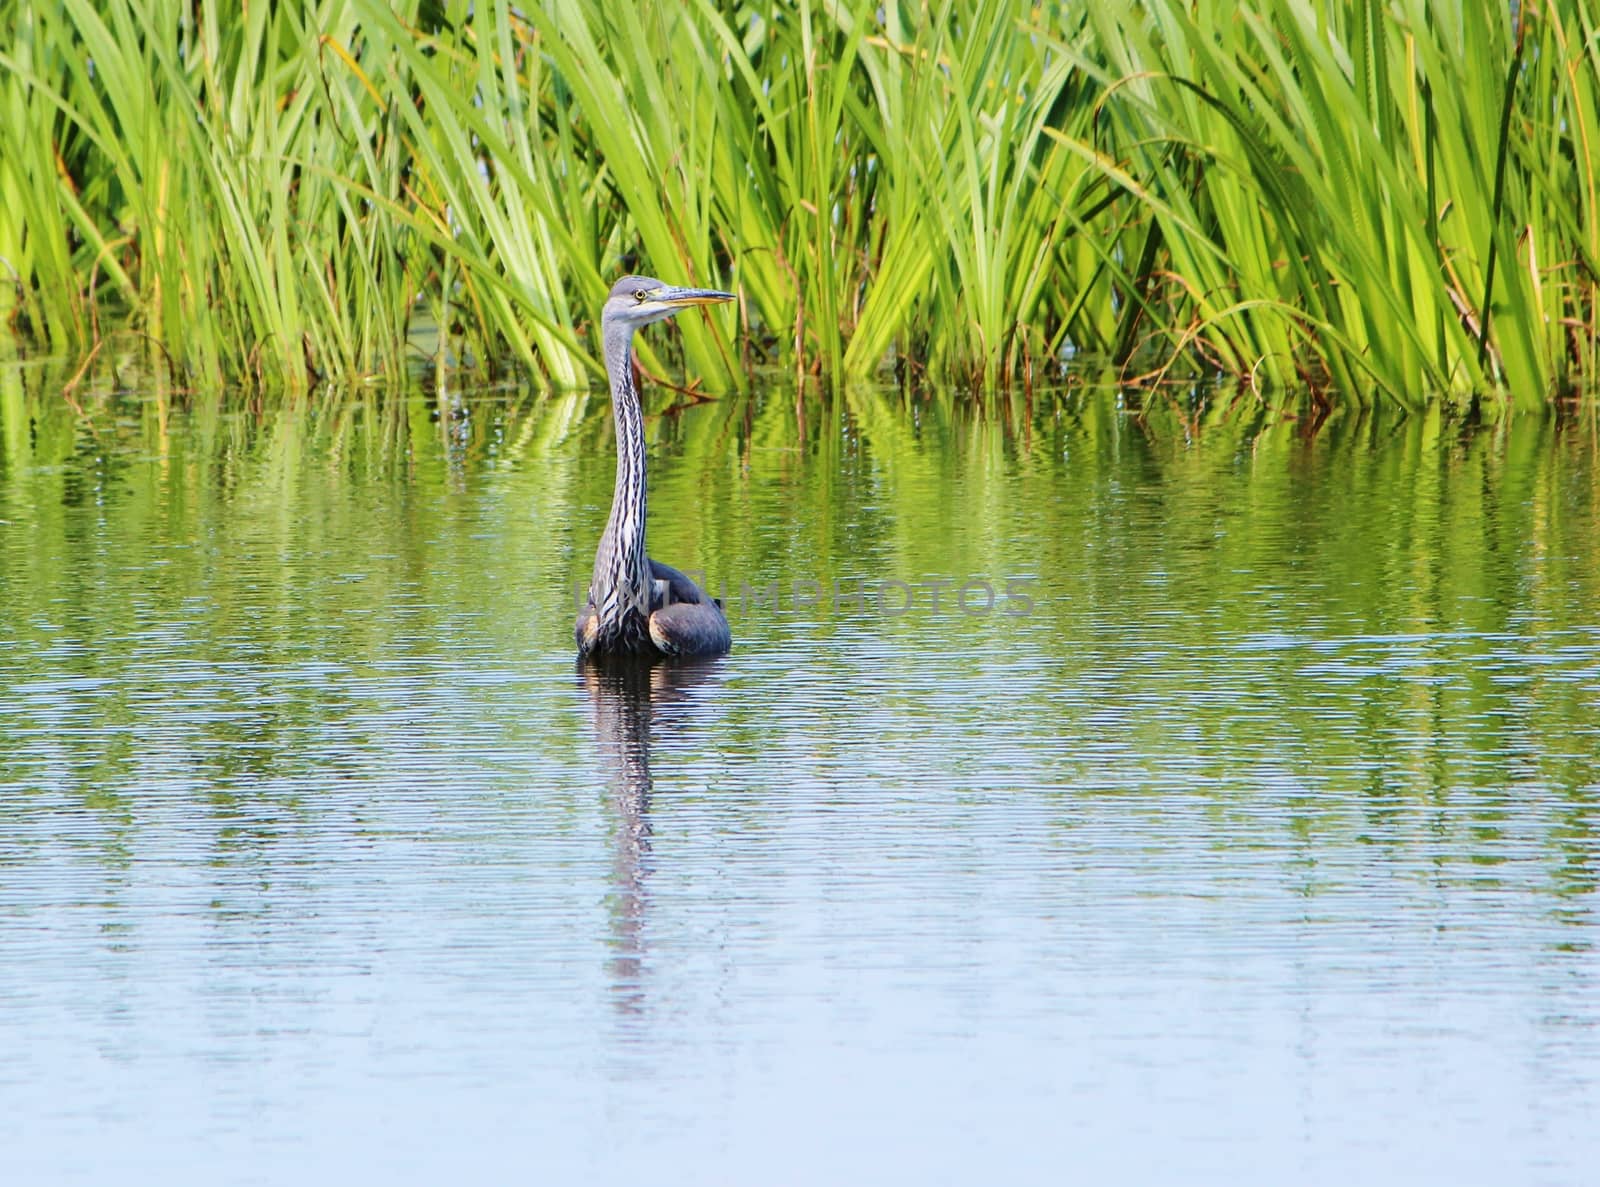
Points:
(642, 296)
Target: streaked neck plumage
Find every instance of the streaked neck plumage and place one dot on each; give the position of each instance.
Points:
(620, 588)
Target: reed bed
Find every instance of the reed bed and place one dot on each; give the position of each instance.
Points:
(1362, 200)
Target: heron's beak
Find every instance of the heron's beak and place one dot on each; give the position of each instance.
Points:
(680, 298)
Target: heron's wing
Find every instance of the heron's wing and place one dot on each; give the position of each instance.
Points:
(678, 586)
(690, 628)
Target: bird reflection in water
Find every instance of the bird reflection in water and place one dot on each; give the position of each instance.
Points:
(628, 701)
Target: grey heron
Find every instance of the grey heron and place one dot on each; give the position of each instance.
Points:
(637, 606)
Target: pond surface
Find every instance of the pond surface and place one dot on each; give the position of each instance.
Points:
(1248, 836)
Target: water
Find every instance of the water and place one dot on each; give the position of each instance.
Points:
(1249, 837)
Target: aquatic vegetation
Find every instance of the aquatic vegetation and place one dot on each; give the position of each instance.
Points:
(1364, 200)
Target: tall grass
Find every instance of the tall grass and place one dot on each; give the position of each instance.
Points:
(1367, 198)
(1336, 185)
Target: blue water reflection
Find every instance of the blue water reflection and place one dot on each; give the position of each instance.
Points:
(1261, 850)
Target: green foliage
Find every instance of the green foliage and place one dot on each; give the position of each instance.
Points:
(1379, 198)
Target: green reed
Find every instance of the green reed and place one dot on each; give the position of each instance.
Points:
(1369, 199)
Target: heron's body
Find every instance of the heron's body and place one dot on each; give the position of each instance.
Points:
(639, 607)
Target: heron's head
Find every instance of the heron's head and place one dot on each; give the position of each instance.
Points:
(640, 300)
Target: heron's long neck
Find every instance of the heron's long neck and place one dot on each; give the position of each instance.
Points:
(621, 566)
